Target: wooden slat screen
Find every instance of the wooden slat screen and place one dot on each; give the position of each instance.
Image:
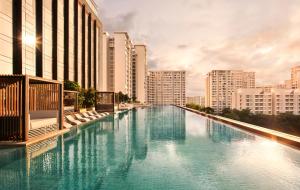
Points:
(43, 97)
(10, 108)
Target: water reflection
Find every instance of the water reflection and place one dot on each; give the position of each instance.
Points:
(113, 153)
(219, 132)
(166, 123)
(81, 159)
(139, 134)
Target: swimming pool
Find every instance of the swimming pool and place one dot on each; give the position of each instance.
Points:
(152, 148)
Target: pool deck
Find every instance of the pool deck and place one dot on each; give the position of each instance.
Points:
(11, 144)
(280, 137)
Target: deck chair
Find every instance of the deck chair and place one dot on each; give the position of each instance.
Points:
(89, 117)
(77, 116)
(99, 114)
(67, 125)
(73, 121)
(92, 114)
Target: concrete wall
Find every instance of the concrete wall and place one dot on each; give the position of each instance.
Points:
(103, 65)
(141, 72)
(120, 56)
(6, 37)
(47, 39)
(60, 41)
(28, 27)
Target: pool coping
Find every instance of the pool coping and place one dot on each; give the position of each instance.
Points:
(12, 144)
(283, 138)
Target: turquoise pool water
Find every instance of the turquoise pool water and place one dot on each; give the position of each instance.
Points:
(151, 149)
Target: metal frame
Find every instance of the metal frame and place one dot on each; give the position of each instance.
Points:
(102, 105)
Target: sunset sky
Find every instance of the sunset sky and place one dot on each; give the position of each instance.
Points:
(201, 35)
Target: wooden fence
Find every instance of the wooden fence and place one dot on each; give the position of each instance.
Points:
(43, 97)
(21, 94)
(11, 112)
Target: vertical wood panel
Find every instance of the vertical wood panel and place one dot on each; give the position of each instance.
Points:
(18, 97)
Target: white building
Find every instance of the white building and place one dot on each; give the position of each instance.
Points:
(272, 101)
(295, 77)
(198, 100)
(294, 81)
(103, 70)
(51, 39)
(119, 64)
(166, 87)
(139, 73)
(220, 84)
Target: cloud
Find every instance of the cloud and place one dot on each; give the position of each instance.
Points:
(182, 46)
(153, 63)
(121, 22)
(201, 35)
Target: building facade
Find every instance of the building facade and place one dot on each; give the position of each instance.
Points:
(220, 84)
(139, 73)
(103, 68)
(269, 101)
(119, 63)
(53, 39)
(295, 77)
(166, 87)
(198, 100)
(294, 81)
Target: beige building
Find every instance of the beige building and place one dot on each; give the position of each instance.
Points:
(166, 87)
(293, 82)
(269, 101)
(53, 39)
(295, 77)
(198, 100)
(220, 84)
(103, 69)
(119, 63)
(139, 73)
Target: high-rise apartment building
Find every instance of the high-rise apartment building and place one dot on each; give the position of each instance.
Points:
(139, 73)
(53, 39)
(119, 63)
(295, 77)
(198, 100)
(220, 84)
(293, 82)
(103, 69)
(166, 87)
(269, 101)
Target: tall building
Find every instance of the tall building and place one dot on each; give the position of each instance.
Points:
(103, 69)
(220, 84)
(53, 39)
(198, 100)
(139, 73)
(119, 63)
(295, 77)
(269, 101)
(166, 87)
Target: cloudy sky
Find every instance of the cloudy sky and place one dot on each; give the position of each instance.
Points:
(201, 35)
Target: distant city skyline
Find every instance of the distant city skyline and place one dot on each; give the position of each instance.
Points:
(198, 36)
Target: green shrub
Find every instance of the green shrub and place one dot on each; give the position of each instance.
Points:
(122, 98)
(71, 85)
(89, 98)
